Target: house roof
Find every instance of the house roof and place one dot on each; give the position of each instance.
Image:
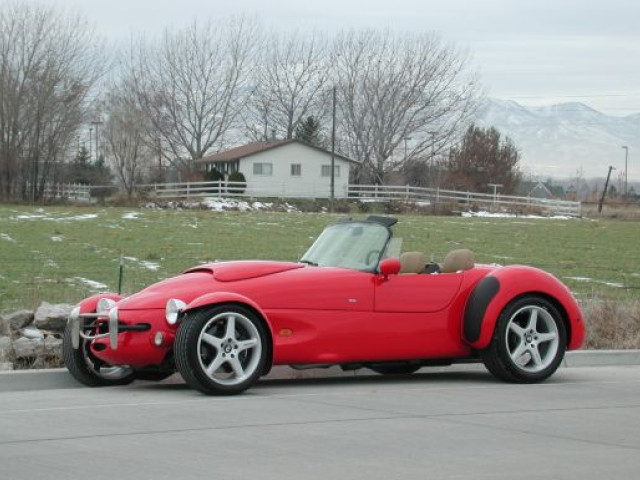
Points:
(257, 147)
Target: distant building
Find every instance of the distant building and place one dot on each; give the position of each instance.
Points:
(283, 168)
(538, 189)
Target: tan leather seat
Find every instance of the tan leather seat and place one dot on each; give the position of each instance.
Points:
(412, 262)
(458, 261)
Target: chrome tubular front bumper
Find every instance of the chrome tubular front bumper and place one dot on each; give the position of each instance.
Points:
(77, 319)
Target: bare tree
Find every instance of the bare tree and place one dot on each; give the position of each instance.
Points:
(392, 88)
(124, 134)
(192, 86)
(290, 79)
(48, 65)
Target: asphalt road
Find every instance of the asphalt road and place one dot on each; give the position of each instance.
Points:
(582, 424)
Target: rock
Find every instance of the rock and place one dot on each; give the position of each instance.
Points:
(19, 319)
(53, 346)
(27, 347)
(52, 317)
(31, 333)
(4, 327)
(6, 351)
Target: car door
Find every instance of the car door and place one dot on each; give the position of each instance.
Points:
(415, 293)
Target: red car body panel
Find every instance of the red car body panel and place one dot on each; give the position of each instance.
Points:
(320, 315)
(518, 280)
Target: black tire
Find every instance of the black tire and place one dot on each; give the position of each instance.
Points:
(525, 352)
(85, 368)
(225, 352)
(395, 368)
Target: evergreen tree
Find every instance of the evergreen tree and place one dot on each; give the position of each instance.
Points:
(484, 158)
(309, 131)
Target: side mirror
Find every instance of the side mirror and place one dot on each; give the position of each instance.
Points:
(389, 266)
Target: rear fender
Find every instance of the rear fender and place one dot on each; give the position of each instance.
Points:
(492, 294)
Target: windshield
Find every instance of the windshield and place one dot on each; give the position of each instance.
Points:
(354, 245)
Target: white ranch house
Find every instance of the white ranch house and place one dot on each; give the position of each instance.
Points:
(289, 168)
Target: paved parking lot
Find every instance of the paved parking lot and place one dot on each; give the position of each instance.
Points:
(451, 424)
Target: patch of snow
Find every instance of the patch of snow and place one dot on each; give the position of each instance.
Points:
(131, 216)
(150, 265)
(57, 238)
(87, 216)
(90, 283)
(221, 205)
(7, 237)
(485, 214)
(601, 282)
(32, 333)
(29, 217)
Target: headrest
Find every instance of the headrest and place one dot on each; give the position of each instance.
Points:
(458, 260)
(412, 262)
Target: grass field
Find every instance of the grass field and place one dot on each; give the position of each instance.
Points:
(60, 254)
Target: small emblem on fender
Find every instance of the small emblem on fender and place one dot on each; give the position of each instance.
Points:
(353, 300)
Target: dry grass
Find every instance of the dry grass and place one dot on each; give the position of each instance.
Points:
(612, 324)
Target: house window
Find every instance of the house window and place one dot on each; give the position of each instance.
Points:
(296, 169)
(326, 170)
(263, 169)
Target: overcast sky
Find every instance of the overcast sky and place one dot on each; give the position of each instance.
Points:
(531, 51)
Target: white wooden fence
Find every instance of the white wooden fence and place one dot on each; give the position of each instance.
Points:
(74, 192)
(464, 200)
(372, 193)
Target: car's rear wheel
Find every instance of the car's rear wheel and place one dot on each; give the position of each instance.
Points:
(88, 369)
(221, 350)
(529, 341)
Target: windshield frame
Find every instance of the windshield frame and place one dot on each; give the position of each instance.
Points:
(369, 269)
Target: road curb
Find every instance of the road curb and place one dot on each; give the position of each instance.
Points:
(59, 378)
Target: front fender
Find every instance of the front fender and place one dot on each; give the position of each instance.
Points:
(225, 297)
(492, 294)
(89, 304)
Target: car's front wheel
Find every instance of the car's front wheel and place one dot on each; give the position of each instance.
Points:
(529, 341)
(88, 369)
(221, 350)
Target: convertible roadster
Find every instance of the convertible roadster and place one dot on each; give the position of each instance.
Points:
(352, 300)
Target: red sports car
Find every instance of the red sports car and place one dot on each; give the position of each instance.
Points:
(352, 300)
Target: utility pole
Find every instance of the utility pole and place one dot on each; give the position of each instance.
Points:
(604, 192)
(97, 123)
(333, 149)
(90, 143)
(626, 157)
(405, 147)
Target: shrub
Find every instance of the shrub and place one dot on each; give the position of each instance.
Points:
(237, 177)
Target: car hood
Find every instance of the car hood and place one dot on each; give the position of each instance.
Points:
(243, 270)
(200, 280)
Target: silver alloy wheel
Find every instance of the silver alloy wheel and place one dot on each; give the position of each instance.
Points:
(229, 348)
(532, 338)
(108, 372)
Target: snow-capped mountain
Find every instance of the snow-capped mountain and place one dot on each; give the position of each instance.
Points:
(558, 140)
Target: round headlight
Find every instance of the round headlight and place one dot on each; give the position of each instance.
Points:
(104, 305)
(173, 309)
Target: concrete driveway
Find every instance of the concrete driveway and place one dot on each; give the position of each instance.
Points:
(446, 424)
